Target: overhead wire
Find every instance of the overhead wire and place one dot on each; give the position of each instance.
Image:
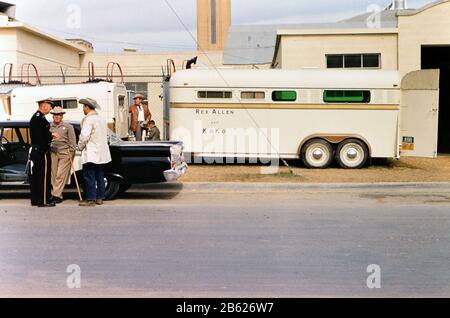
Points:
(229, 86)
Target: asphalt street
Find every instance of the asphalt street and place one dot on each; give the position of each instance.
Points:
(227, 242)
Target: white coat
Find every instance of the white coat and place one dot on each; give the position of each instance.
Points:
(93, 141)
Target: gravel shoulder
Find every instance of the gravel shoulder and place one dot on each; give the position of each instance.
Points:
(403, 170)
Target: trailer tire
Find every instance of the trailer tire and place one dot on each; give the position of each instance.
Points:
(317, 154)
(352, 154)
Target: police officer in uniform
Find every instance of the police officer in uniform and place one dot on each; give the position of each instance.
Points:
(40, 156)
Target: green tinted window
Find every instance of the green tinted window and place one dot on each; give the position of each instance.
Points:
(284, 96)
(346, 96)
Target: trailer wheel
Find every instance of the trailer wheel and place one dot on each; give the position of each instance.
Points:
(352, 154)
(317, 154)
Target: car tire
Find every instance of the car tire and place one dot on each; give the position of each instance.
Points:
(112, 189)
(124, 187)
(317, 154)
(352, 154)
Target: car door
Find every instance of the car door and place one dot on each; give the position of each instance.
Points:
(14, 154)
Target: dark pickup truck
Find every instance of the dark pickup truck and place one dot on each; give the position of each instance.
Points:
(132, 162)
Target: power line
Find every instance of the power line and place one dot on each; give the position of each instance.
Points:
(229, 86)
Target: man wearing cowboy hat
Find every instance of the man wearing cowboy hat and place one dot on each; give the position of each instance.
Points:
(95, 153)
(62, 150)
(140, 114)
(40, 159)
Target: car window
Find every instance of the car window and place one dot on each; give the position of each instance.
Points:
(15, 135)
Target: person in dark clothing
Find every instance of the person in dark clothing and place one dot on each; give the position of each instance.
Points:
(40, 156)
(153, 132)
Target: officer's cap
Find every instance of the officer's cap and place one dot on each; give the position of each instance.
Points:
(46, 100)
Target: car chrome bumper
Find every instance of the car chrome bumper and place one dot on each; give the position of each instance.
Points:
(174, 174)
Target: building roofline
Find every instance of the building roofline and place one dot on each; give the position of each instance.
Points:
(337, 31)
(288, 32)
(424, 8)
(30, 29)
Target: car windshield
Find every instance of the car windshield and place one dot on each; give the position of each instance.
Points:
(112, 138)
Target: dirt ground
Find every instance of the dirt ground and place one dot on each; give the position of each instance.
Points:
(404, 170)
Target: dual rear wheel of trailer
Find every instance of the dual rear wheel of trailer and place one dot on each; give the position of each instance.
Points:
(350, 153)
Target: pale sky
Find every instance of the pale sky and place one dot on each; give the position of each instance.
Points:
(112, 25)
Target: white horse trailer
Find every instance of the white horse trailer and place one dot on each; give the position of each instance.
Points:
(315, 115)
(112, 97)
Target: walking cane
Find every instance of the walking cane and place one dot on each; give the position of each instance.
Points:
(75, 175)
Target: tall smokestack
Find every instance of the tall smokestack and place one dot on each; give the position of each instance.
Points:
(400, 5)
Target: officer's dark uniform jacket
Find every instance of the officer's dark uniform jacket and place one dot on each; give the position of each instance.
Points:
(40, 172)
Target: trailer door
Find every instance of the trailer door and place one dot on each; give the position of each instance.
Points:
(420, 114)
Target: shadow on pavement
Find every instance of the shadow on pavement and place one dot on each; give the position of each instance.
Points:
(164, 191)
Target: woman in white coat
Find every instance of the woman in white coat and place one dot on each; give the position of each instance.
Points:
(95, 153)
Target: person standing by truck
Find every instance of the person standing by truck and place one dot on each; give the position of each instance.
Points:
(140, 113)
(95, 153)
(62, 151)
(40, 159)
(153, 132)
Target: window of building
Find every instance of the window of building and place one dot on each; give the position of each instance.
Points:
(354, 61)
(284, 96)
(253, 95)
(214, 94)
(371, 60)
(335, 61)
(138, 88)
(341, 96)
(66, 103)
(213, 22)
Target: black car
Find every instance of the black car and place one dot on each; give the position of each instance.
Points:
(132, 162)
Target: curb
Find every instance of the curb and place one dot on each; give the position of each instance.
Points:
(282, 187)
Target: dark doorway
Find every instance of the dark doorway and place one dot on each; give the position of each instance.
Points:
(438, 57)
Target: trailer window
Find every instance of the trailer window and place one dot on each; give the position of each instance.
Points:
(66, 103)
(253, 95)
(214, 94)
(340, 96)
(70, 104)
(284, 96)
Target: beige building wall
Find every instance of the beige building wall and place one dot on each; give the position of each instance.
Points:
(310, 50)
(8, 47)
(429, 27)
(48, 56)
(204, 24)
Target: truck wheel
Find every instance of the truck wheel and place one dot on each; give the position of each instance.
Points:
(317, 154)
(352, 154)
(112, 188)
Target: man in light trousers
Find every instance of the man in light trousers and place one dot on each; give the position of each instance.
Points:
(62, 149)
(95, 153)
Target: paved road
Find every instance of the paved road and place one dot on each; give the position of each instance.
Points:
(297, 243)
